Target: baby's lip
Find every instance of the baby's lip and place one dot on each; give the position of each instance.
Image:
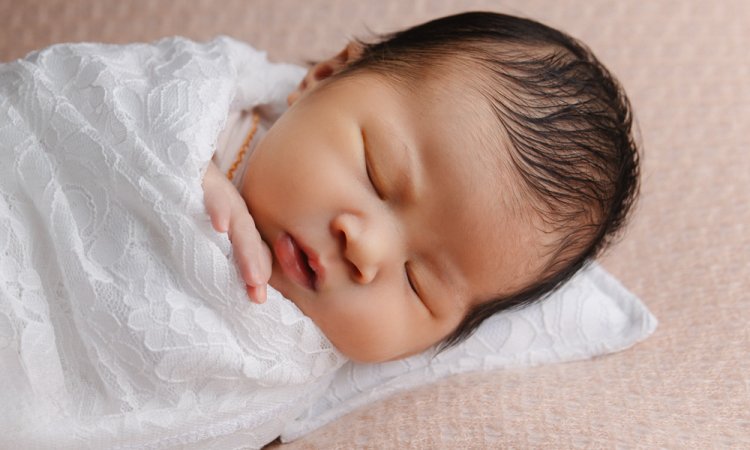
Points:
(298, 262)
(314, 262)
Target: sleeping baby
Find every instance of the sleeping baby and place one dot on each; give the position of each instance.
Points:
(420, 184)
(407, 190)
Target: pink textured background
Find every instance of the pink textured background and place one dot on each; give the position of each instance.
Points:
(686, 65)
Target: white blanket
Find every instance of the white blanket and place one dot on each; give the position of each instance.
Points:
(123, 322)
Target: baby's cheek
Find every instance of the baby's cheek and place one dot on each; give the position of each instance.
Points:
(368, 330)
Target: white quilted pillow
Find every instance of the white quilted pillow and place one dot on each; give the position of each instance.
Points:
(593, 314)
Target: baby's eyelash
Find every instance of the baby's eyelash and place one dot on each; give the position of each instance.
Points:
(411, 282)
(373, 179)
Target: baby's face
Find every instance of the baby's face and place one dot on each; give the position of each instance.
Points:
(387, 217)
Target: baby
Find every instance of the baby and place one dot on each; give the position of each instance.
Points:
(420, 184)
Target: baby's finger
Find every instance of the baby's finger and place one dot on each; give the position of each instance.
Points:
(251, 254)
(220, 220)
(266, 259)
(218, 211)
(215, 199)
(263, 259)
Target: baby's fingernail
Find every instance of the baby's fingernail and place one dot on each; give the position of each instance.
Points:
(257, 294)
(251, 293)
(262, 293)
(220, 225)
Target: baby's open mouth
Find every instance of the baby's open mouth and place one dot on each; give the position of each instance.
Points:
(295, 262)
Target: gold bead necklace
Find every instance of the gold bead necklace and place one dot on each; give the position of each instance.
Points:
(245, 146)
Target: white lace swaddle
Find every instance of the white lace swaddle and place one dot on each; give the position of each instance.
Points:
(123, 321)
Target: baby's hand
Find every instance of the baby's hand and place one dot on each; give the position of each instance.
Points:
(229, 214)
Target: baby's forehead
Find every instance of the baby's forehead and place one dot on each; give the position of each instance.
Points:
(459, 92)
(447, 114)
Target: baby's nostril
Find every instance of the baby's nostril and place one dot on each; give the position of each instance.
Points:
(356, 273)
(341, 237)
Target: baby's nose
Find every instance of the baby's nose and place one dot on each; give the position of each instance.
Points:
(360, 248)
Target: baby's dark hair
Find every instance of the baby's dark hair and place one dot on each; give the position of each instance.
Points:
(567, 118)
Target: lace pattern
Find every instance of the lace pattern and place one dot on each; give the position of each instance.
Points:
(122, 317)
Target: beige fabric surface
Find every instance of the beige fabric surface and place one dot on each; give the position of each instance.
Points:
(686, 65)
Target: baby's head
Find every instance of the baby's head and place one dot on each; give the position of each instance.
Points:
(418, 185)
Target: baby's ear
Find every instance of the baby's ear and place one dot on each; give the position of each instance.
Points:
(325, 69)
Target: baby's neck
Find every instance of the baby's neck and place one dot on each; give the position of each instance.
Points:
(231, 139)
